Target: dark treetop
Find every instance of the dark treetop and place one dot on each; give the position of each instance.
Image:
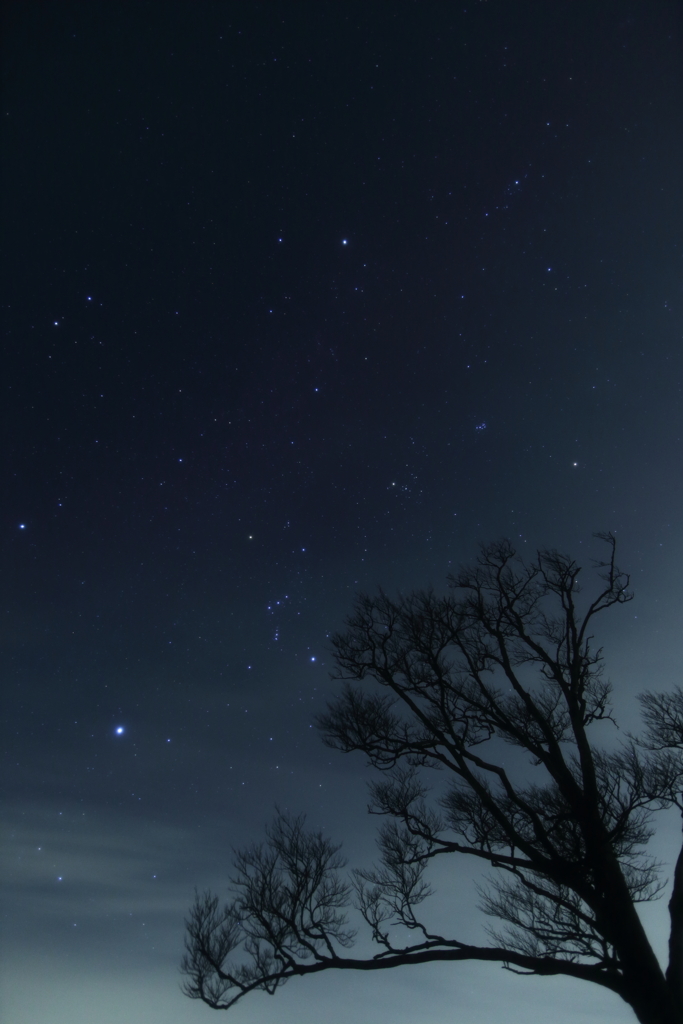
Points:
(443, 683)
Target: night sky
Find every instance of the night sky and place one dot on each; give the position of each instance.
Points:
(302, 299)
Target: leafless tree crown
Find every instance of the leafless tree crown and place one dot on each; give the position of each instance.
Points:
(442, 683)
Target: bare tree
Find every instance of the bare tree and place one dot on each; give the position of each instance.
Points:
(506, 658)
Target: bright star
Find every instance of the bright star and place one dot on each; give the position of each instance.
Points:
(119, 730)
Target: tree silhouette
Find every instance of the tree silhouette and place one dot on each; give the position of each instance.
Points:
(507, 657)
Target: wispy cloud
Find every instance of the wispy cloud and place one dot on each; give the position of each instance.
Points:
(96, 863)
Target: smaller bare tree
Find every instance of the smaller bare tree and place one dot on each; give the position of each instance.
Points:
(507, 657)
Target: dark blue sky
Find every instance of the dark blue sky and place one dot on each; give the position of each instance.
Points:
(300, 299)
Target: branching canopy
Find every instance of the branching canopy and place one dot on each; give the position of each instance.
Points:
(443, 684)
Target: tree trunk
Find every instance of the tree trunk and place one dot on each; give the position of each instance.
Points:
(654, 1006)
(674, 973)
